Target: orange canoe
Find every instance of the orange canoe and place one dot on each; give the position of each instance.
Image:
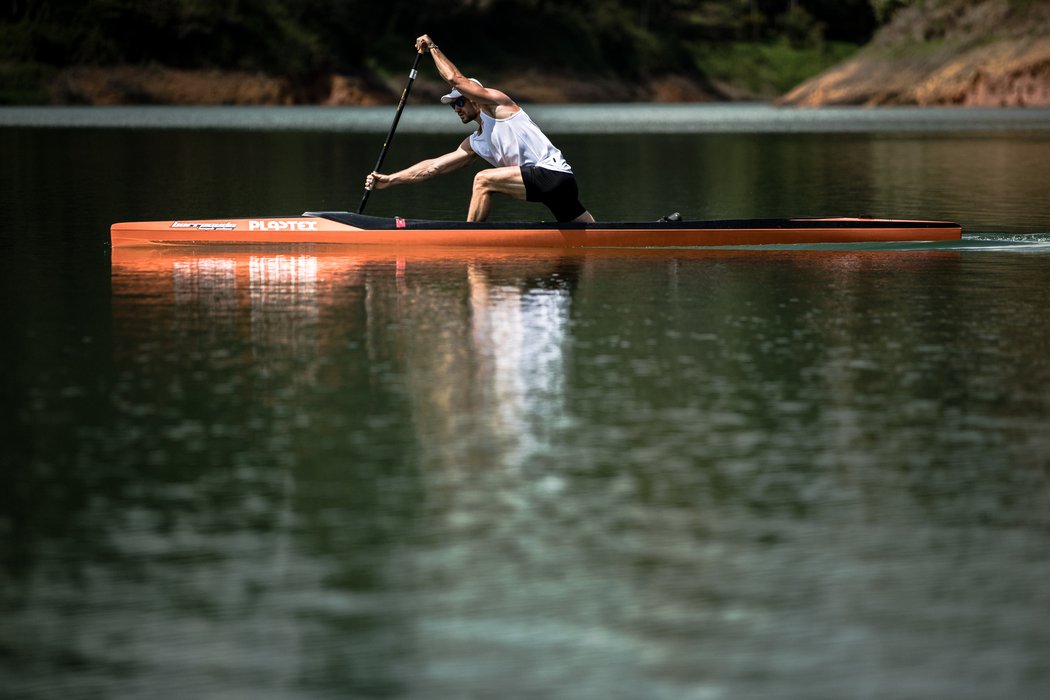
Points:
(347, 228)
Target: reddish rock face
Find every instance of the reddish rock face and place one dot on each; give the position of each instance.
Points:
(1028, 87)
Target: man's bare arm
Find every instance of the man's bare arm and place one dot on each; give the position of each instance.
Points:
(452, 75)
(424, 169)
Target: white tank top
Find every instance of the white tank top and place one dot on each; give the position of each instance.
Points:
(516, 140)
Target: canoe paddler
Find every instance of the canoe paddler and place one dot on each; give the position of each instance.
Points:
(526, 165)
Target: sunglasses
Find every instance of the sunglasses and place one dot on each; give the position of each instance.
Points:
(458, 102)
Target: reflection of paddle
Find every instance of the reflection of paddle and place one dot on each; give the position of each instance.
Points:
(393, 127)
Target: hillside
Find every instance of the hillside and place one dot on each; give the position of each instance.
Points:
(945, 52)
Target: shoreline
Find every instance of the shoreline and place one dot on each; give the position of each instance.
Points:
(158, 85)
(1003, 74)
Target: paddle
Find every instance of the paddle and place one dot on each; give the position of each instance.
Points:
(390, 135)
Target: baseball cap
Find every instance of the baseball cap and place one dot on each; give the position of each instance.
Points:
(456, 94)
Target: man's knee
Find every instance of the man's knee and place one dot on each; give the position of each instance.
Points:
(483, 182)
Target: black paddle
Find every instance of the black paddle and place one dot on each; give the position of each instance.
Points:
(390, 135)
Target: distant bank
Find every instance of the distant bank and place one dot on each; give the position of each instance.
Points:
(931, 52)
(121, 85)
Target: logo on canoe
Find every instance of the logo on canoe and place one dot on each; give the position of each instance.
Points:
(205, 225)
(281, 225)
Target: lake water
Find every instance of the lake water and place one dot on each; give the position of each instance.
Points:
(809, 472)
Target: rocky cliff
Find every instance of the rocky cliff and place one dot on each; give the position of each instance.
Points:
(945, 52)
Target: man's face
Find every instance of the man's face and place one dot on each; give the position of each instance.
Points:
(465, 109)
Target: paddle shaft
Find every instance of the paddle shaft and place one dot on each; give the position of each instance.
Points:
(393, 127)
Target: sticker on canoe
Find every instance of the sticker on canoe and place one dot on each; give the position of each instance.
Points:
(281, 225)
(205, 225)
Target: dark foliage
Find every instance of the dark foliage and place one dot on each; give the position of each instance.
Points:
(629, 38)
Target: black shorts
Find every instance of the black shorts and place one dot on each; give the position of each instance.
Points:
(554, 188)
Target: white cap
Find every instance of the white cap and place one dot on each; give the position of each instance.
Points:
(456, 94)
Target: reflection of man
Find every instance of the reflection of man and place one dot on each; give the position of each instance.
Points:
(519, 333)
(527, 165)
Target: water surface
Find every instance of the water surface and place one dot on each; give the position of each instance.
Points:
(808, 472)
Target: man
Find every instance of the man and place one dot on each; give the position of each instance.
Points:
(527, 165)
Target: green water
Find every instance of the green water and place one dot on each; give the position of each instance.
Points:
(384, 474)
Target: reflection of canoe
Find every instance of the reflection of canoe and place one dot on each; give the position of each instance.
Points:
(152, 269)
(355, 229)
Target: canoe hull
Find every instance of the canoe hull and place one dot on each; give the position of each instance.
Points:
(343, 228)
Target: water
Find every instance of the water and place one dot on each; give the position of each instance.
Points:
(816, 472)
(556, 119)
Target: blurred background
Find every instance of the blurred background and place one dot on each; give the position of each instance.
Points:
(353, 52)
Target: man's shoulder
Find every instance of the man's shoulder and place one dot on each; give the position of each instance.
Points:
(467, 146)
(504, 111)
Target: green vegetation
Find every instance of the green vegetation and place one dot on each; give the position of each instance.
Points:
(24, 83)
(884, 9)
(762, 45)
(770, 68)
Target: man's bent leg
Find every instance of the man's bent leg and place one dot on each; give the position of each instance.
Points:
(502, 180)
